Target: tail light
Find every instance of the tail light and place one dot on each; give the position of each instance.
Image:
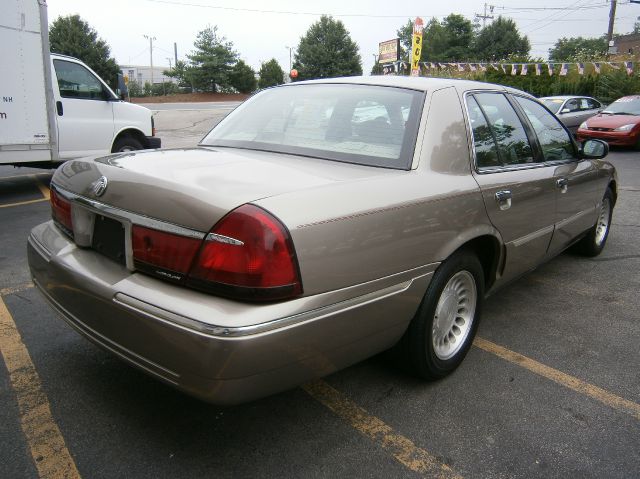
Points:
(153, 127)
(163, 254)
(247, 255)
(61, 211)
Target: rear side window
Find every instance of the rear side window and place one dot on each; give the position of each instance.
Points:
(75, 81)
(554, 139)
(508, 133)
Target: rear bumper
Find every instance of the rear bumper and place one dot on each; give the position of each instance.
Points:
(619, 138)
(152, 142)
(186, 338)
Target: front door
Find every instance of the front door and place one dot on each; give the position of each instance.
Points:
(576, 181)
(83, 111)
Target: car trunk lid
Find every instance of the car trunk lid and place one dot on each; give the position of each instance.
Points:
(196, 187)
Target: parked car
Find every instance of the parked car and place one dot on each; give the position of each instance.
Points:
(318, 224)
(572, 110)
(618, 124)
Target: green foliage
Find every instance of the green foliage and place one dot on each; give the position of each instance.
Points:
(270, 74)
(165, 88)
(376, 69)
(615, 84)
(135, 89)
(455, 40)
(447, 41)
(212, 60)
(73, 36)
(242, 77)
(499, 40)
(578, 49)
(327, 51)
(181, 72)
(148, 89)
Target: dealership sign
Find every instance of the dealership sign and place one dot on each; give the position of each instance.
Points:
(389, 51)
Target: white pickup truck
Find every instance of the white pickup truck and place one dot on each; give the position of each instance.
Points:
(54, 107)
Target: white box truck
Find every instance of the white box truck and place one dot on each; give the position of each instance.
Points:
(53, 107)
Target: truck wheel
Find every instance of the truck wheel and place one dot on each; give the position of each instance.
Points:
(126, 143)
(443, 329)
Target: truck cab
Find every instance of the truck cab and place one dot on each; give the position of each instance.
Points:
(91, 118)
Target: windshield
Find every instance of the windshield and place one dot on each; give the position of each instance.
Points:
(552, 104)
(368, 125)
(624, 106)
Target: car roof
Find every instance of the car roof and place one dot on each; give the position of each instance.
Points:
(415, 83)
(630, 97)
(60, 55)
(562, 97)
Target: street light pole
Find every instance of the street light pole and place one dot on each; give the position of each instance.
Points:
(290, 54)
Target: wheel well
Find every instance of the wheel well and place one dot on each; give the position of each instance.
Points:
(487, 249)
(614, 190)
(131, 133)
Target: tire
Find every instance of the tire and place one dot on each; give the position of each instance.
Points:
(593, 243)
(443, 329)
(126, 143)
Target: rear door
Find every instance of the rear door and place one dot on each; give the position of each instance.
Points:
(518, 189)
(84, 112)
(578, 189)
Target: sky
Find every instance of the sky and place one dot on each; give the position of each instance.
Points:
(263, 30)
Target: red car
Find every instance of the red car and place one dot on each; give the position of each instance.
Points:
(618, 124)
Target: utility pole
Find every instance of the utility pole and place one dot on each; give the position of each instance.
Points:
(612, 19)
(486, 17)
(151, 39)
(169, 58)
(175, 52)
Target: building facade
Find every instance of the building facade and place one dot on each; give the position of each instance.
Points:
(143, 74)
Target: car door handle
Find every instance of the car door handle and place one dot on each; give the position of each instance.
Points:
(563, 184)
(503, 198)
(59, 108)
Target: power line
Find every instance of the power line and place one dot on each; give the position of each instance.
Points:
(364, 15)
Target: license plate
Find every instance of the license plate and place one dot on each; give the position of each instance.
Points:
(108, 238)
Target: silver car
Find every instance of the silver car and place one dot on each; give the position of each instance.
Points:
(318, 224)
(572, 110)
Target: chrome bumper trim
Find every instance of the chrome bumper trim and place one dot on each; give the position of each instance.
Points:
(210, 330)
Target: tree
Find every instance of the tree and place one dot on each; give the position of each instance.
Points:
(501, 39)
(377, 69)
(326, 51)
(181, 72)
(73, 36)
(448, 41)
(271, 74)
(242, 77)
(212, 60)
(578, 48)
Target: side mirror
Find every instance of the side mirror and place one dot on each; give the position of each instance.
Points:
(565, 110)
(594, 149)
(122, 91)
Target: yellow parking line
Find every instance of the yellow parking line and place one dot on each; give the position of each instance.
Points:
(10, 205)
(403, 449)
(16, 289)
(561, 378)
(49, 452)
(44, 189)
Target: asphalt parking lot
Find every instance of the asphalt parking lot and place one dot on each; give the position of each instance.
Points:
(550, 389)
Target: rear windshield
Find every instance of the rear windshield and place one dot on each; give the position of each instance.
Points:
(624, 106)
(367, 125)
